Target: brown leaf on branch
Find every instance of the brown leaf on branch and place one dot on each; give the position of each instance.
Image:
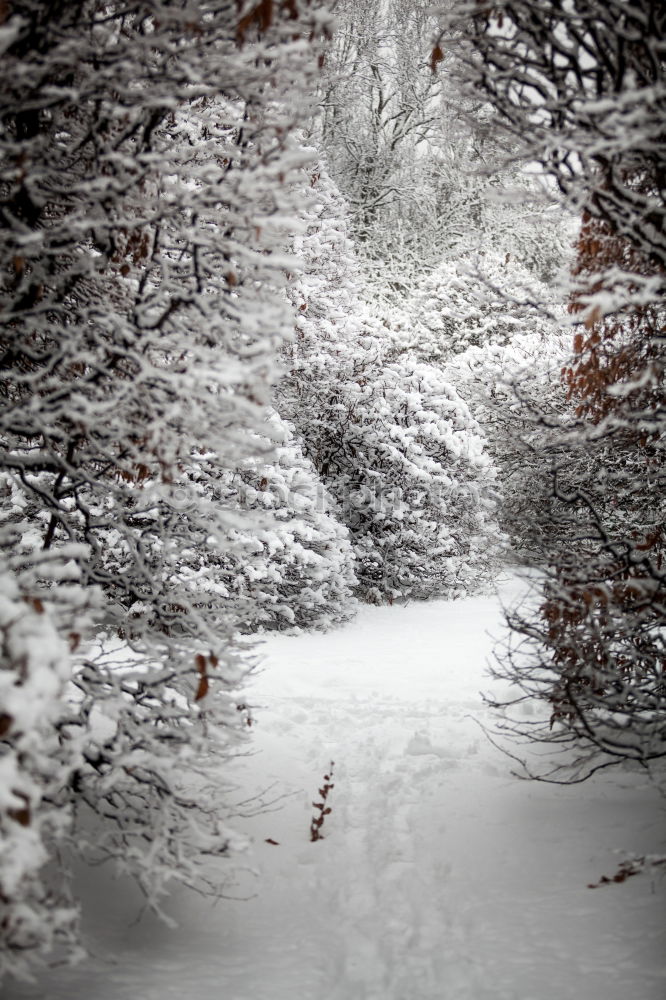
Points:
(261, 15)
(202, 689)
(593, 318)
(21, 815)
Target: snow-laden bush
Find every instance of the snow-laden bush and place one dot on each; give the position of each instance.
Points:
(589, 114)
(148, 158)
(470, 302)
(39, 754)
(393, 442)
(408, 464)
(291, 565)
(515, 391)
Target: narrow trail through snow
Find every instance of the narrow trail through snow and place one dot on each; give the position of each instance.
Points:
(440, 876)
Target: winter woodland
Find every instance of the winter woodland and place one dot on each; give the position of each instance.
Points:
(308, 305)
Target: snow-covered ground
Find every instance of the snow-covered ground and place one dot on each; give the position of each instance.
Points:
(440, 877)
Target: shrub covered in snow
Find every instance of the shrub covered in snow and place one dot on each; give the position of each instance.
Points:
(148, 156)
(589, 112)
(39, 753)
(473, 301)
(395, 445)
(408, 464)
(515, 390)
(286, 560)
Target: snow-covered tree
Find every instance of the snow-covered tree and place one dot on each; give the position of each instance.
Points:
(290, 563)
(581, 90)
(378, 106)
(393, 442)
(415, 158)
(145, 208)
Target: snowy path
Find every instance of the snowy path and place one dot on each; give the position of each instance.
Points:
(441, 877)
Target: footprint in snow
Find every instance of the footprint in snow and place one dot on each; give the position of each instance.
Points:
(420, 745)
